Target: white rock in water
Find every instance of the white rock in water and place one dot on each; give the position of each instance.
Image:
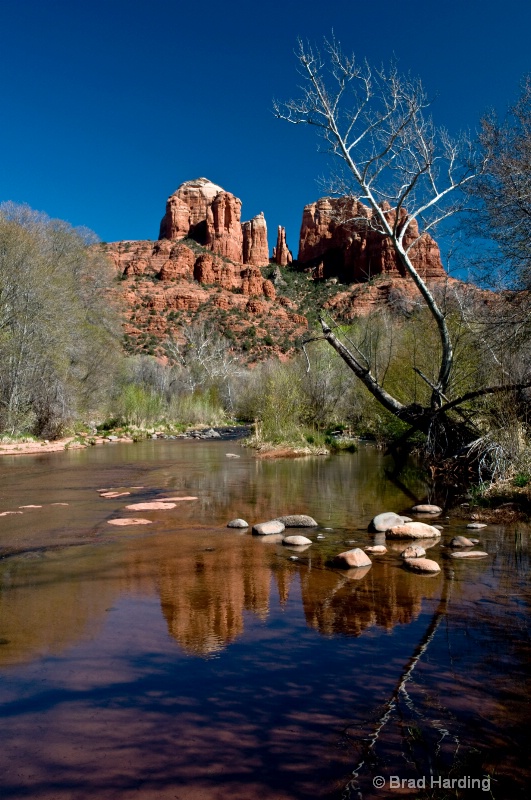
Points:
(376, 548)
(237, 523)
(381, 522)
(475, 526)
(296, 540)
(267, 528)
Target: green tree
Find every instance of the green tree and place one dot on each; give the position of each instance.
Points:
(406, 175)
(58, 323)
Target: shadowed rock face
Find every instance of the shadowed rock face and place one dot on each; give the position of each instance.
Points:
(336, 238)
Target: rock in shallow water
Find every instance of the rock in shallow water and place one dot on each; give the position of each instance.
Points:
(413, 551)
(352, 558)
(376, 548)
(422, 565)
(461, 541)
(296, 540)
(267, 528)
(237, 523)
(469, 554)
(387, 519)
(475, 526)
(155, 505)
(412, 530)
(297, 521)
(129, 521)
(426, 508)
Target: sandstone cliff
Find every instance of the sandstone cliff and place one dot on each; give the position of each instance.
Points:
(255, 246)
(337, 240)
(207, 264)
(281, 254)
(203, 211)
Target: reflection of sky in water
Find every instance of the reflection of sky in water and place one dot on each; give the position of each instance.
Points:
(188, 660)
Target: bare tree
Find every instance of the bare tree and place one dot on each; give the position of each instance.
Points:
(407, 175)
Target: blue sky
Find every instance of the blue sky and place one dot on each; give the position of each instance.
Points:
(108, 105)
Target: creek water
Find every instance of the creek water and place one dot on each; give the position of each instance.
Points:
(183, 659)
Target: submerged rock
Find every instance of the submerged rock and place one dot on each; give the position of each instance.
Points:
(412, 530)
(475, 526)
(268, 528)
(154, 505)
(352, 558)
(376, 548)
(469, 554)
(237, 523)
(297, 521)
(129, 521)
(413, 551)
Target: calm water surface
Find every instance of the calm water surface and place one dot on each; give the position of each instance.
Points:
(185, 660)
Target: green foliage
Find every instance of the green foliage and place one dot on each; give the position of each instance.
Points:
(58, 328)
(521, 479)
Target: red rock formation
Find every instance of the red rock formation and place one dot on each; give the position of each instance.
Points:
(223, 227)
(281, 254)
(335, 236)
(186, 210)
(255, 246)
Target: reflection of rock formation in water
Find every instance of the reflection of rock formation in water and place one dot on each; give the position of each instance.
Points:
(385, 596)
(204, 595)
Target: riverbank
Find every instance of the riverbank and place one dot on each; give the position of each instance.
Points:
(80, 441)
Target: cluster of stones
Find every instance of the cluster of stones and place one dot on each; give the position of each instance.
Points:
(276, 527)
